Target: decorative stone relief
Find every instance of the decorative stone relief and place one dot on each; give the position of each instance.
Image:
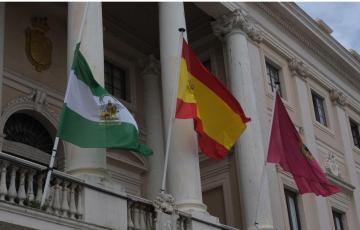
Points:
(337, 97)
(38, 45)
(165, 203)
(36, 100)
(150, 66)
(297, 67)
(237, 20)
(331, 165)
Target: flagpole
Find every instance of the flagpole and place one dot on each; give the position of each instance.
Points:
(56, 142)
(265, 163)
(172, 112)
(50, 169)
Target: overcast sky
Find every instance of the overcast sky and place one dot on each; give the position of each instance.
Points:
(343, 18)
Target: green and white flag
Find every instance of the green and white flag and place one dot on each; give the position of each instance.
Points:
(92, 118)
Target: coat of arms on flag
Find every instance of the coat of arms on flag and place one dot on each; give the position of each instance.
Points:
(109, 108)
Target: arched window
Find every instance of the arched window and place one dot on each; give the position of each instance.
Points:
(28, 138)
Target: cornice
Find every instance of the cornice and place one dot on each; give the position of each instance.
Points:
(293, 20)
(26, 85)
(274, 42)
(312, 72)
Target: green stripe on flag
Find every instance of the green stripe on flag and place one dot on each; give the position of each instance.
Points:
(99, 134)
(83, 73)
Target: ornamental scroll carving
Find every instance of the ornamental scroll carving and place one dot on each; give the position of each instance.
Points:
(165, 203)
(150, 66)
(37, 100)
(297, 67)
(338, 97)
(237, 20)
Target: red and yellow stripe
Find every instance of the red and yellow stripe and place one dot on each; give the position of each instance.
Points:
(218, 117)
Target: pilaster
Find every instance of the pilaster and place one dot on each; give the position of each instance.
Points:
(316, 211)
(150, 73)
(235, 29)
(340, 101)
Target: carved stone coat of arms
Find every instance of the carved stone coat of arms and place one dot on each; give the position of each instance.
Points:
(38, 45)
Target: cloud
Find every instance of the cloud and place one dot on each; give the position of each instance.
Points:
(342, 18)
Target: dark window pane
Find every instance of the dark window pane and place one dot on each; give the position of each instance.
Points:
(292, 208)
(116, 81)
(338, 223)
(207, 64)
(355, 133)
(273, 77)
(319, 108)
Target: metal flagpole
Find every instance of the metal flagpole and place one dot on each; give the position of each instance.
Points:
(172, 112)
(56, 142)
(265, 164)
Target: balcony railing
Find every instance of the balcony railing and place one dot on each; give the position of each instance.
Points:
(22, 182)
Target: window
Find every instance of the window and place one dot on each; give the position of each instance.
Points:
(338, 220)
(207, 64)
(273, 76)
(319, 108)
(117, 82)
(292, 208)
(355, 131)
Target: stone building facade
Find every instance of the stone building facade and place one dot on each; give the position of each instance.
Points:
(132, 48)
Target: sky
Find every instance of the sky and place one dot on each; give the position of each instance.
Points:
(342, 17)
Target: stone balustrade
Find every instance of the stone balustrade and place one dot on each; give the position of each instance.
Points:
(22, 183)
(141, 215)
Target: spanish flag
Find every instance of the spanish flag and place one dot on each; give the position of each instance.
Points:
(218, 117)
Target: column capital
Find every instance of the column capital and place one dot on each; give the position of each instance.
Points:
(298, 68)
(149, 66)
(236, 21)
(338, 97)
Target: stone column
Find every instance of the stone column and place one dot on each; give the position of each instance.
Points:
(183, 171)
(153, 123)
(339, 100)
(88, 163)
(316, 212)
(2, 38)
(235, 29)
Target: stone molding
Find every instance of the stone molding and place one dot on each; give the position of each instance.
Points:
(150, 66)
(35, 100)
(279, 13)
(298, 68)
(238, 20)
(338, 97)
(313, 73)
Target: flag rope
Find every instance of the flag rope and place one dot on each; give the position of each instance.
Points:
(56, 142)
(172, 112)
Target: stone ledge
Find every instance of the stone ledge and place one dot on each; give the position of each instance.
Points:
(33, 218)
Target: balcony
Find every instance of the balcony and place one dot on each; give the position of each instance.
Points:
(74, 204)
